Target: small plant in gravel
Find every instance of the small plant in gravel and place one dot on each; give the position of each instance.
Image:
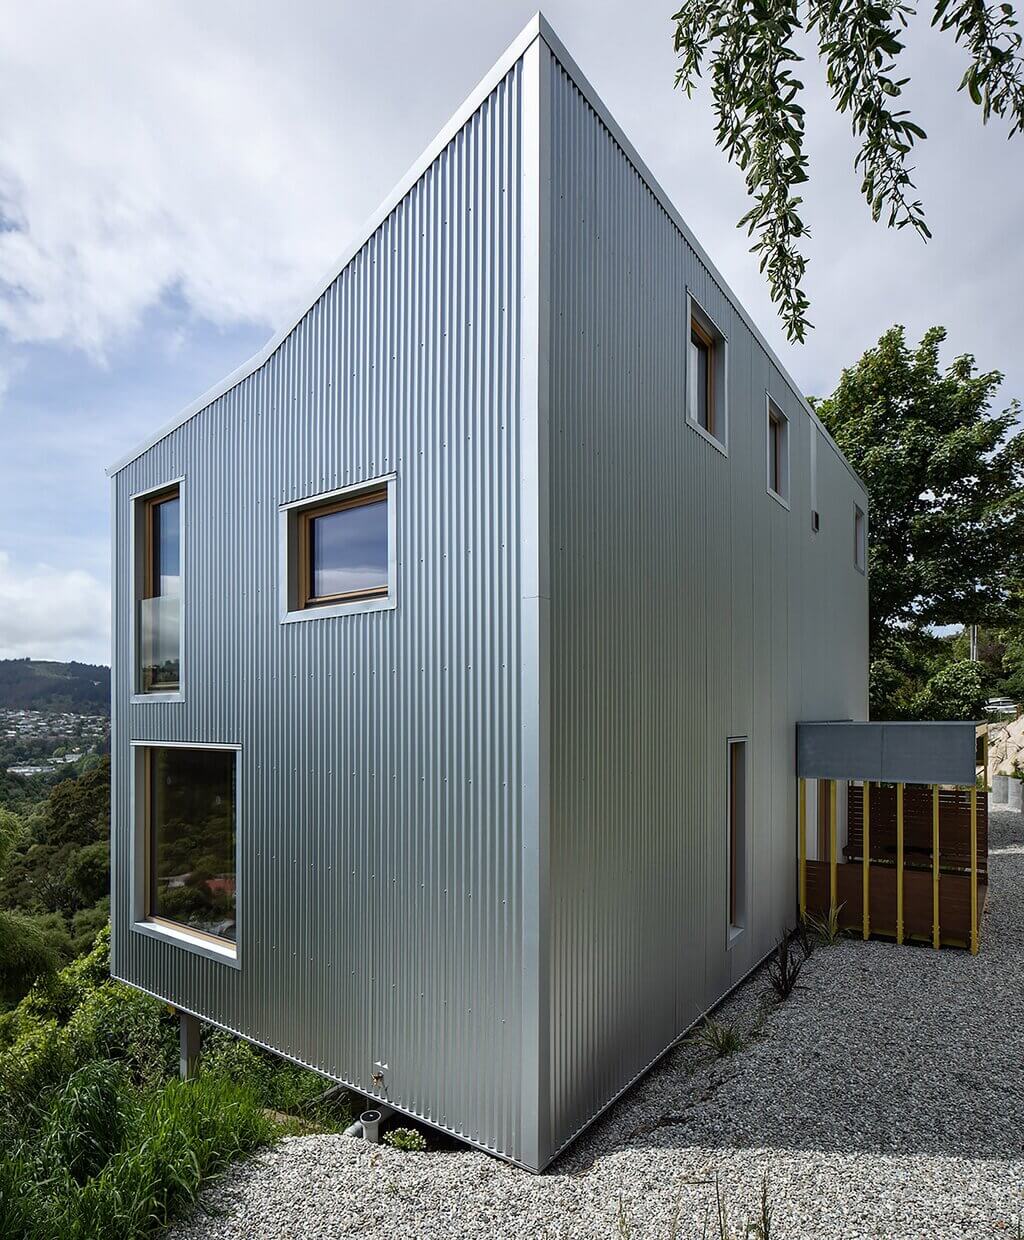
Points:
(784, 968)
(802, 938)
(406, 1139)
(718, 1037)
(754, 1229)
(826, 929)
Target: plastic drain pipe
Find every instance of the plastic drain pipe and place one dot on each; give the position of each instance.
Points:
(369, 1123)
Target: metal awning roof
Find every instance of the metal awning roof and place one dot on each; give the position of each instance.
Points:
(909, 753)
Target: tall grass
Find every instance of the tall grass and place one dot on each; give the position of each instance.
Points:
(172, 1140)
(98, 1140)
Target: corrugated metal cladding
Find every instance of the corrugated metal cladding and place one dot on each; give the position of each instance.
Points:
(687, 606)
(379, 884)
(483, 834)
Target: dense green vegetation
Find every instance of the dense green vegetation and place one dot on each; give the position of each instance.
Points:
(31, 684)
(98, 1139)
(945, 475)
(54, 877)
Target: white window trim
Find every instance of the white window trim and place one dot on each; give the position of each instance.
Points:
(694, 310)
(135, 553)
(179, 936)
(286, 524)
(770, 405)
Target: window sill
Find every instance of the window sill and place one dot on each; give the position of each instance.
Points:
(783, 503)
(226, 954)
(138, 698)
(735, 934)
(355, 608)
(707, 436)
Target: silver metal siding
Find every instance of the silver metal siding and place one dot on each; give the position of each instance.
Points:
(687, 606)
(379, 884)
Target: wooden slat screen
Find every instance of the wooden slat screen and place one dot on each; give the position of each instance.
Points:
(954, 827)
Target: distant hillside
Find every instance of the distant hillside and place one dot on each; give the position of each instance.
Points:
(30, 684)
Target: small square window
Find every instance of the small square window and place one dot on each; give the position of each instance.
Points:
(778, 452)
(339, 552)
(705, 377)
(343, 550)
(860, 538)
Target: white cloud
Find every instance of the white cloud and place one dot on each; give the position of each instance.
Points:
(52, 613)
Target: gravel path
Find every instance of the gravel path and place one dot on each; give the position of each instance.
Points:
(884, 1099)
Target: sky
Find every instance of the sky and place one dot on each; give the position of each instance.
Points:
(174, 176)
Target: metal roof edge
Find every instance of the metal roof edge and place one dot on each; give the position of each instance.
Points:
(472, 102)
(585, 87)
(537, 27)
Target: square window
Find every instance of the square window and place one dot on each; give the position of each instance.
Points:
(158, 591)
(705, 377)
(188, 804)
(778, 452)
(344, 550)
(339, 552)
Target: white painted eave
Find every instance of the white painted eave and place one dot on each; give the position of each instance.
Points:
(537, 27)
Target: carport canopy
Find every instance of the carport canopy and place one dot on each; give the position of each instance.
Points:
(908, 753)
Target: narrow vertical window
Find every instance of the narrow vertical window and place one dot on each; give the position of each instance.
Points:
(777, 435)
(160, 593)
(737, 776)
(189, 799)
(860, 538)
(815, 517)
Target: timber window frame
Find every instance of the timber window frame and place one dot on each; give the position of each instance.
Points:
(143, 920)
(299, 602)
(148, 614)
(777, 451)
(707, 401)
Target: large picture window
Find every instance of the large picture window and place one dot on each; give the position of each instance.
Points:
(160, 592)
(190, 800)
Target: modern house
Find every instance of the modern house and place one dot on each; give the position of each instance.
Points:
(461, 637)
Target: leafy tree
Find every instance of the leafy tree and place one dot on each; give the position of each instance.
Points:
(749, 47)
(957, 691)
(26, 949)
(946, 481)
(78, 810)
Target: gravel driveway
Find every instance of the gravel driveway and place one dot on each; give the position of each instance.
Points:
(885, 1098)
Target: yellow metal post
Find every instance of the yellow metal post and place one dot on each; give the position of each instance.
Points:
(802, 845)
(866, 861)
(899, 863)
(974, 870)
(833, 862)
(935, 867)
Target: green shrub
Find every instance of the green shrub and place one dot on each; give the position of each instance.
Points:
(115, 1021)
(406, 1139)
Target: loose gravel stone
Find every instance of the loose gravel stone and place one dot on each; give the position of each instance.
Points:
(885, 1098)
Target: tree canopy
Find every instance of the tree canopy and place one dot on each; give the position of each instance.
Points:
(749, 47)
(945, 475)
